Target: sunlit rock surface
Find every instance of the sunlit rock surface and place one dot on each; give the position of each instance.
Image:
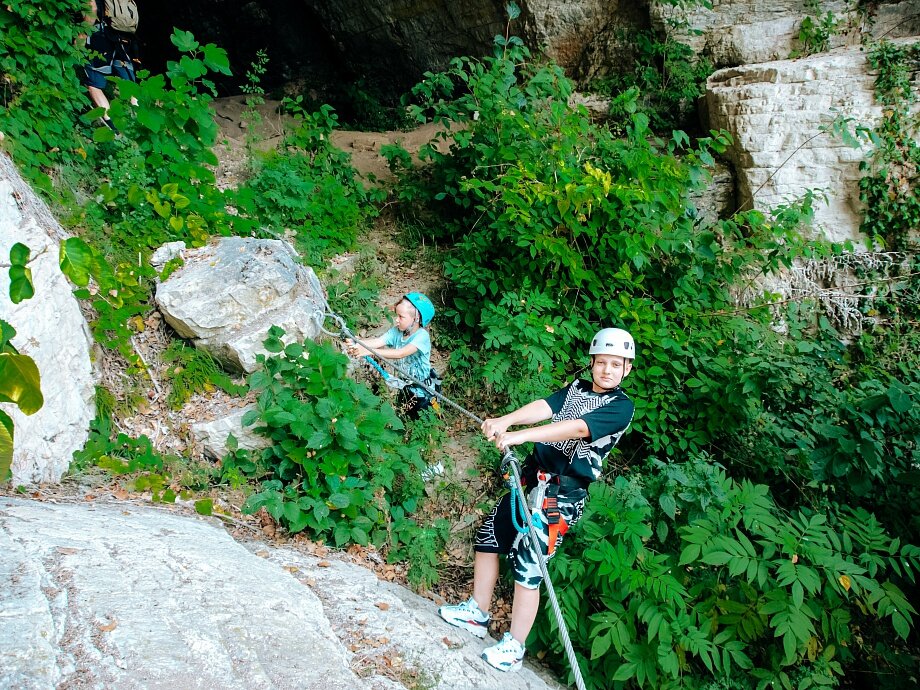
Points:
(51, 329)
(109, 595)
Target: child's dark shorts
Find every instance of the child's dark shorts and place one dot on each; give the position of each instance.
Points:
(497, 534)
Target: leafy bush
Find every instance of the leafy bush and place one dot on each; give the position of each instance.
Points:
(666, 80)
(563, 229)
(310, 187)
(161, 184)
(889, 186)
(815, 31)
(40, 93)
(681, 577)
(338, 465)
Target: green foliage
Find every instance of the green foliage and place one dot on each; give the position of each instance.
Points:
(398, 159)
(121, 455)
(40, 94)
(190, 371)
(357, 295)
(338, 465)
(561, 228)
(664, 84)
(310, 187)
(815, 31)
(684, 576)
(161, 183)
(118, 295)
(255, 97)
(891, 177)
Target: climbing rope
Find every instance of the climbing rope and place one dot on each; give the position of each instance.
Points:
(509, 461)
(346, 334)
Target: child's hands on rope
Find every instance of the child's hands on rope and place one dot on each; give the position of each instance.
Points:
(496, 431)
(355, 350)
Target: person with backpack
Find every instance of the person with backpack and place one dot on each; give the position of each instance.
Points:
(114, 48)
(409, 343)
(587, 419)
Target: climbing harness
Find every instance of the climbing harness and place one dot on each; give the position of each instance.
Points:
(510, 467)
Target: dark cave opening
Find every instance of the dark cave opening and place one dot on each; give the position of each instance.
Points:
(303, 57)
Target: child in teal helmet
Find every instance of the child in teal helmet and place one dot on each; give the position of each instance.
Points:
(409, 345)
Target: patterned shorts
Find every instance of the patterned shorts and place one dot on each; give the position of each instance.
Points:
(497, 534)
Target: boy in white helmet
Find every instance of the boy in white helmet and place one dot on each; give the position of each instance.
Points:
(587, 419)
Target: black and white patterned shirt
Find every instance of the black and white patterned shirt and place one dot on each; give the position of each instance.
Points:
(607, 415)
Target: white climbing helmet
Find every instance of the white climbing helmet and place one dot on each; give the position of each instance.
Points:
(613, 341)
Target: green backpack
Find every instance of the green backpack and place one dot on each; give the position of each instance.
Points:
(121, 15)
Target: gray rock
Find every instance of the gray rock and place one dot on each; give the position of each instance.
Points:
(737, 32)
(212, 436)
(51, 329)
(228, 293)
(166, 253)
(775, 111)
(112, 595)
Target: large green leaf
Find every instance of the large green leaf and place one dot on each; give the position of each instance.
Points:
(7, 333)
(76, 260)
(19, 254)
(20, 382)
(21, 287)
(6, 445)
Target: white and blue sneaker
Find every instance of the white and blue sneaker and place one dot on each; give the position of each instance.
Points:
(506, 655)
(467, 615)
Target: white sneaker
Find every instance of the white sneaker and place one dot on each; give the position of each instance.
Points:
(432, 471)
(507, 655)
(467, 615)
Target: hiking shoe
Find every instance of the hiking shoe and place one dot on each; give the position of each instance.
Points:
(507, 655)
(467, 615)
(107, 121)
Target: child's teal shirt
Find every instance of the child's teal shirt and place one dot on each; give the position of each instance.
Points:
(418, 364)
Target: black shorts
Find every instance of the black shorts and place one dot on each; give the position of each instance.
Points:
(113, 59)
(498, 534)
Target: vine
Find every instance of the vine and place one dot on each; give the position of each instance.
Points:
(890, 186)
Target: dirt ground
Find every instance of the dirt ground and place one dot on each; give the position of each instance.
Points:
(364, 147)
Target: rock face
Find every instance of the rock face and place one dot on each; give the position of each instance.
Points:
(773, 109)
(228, 294)
(737, 32)
(119, 596)
(212, 436)
(52, 331)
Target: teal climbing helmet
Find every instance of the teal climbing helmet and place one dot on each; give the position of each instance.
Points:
(423, 304)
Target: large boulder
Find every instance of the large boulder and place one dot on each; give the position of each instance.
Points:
(229, 293)
(113, 595)
(775, 112)
(50, 329)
